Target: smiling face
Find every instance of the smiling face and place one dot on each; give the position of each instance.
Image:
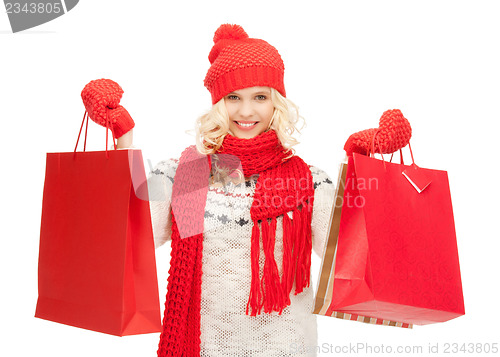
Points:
(250, 111)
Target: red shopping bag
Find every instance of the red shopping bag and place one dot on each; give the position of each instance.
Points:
(324, 289)
(397, 256)
(97, 265)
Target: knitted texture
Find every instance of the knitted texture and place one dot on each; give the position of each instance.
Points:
(393, 133)
(287, 186)
(283, 185)
(181, 323)
(238, 61)
(235, 151)
(101, 98)
(226, 330)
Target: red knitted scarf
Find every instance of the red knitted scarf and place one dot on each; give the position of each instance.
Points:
(284, 185)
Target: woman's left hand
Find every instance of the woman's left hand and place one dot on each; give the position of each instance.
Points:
(393, 133)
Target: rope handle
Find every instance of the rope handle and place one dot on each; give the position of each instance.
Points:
(108, 126)
(372, 152)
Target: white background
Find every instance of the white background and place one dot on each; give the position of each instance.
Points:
(346, 63)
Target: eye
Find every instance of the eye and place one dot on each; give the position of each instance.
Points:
(261, 97)
(232, 97)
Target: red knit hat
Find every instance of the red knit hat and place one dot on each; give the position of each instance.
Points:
(241, 62)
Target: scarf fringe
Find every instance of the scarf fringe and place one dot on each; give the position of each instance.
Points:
(255, 299)
(304, 244)
(288, 243)
(271, 293)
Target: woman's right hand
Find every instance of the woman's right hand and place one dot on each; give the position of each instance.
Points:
(101, 98)
(125, 141)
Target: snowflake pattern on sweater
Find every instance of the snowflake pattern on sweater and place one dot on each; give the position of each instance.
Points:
(226, 330)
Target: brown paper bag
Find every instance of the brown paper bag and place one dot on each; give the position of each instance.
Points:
(325, 281)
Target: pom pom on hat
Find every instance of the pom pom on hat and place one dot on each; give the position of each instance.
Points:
(238, 62)
(229, 32)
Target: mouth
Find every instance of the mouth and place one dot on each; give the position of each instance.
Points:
(243, 124)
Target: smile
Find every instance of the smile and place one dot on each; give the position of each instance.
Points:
(246, 125)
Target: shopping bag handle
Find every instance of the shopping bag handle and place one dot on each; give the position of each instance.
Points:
(372, 152)
(418, 178)
(401, 155)
(108, 126)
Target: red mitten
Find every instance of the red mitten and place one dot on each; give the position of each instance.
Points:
(393, 133)
(101, 97)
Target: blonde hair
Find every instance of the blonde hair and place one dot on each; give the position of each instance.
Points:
(212, 127)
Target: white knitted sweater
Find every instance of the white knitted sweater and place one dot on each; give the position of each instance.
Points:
(226, 271)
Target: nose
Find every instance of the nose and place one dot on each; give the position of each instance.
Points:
(246, 109)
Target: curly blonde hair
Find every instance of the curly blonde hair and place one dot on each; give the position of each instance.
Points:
(212, 127)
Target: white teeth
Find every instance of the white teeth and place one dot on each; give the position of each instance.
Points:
(246, 125)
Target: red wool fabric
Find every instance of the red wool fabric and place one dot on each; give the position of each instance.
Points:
(238, 61)
(101, 98)
(284, 184)
(393, 133)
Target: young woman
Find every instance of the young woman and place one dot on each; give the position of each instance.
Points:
(243, 214)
